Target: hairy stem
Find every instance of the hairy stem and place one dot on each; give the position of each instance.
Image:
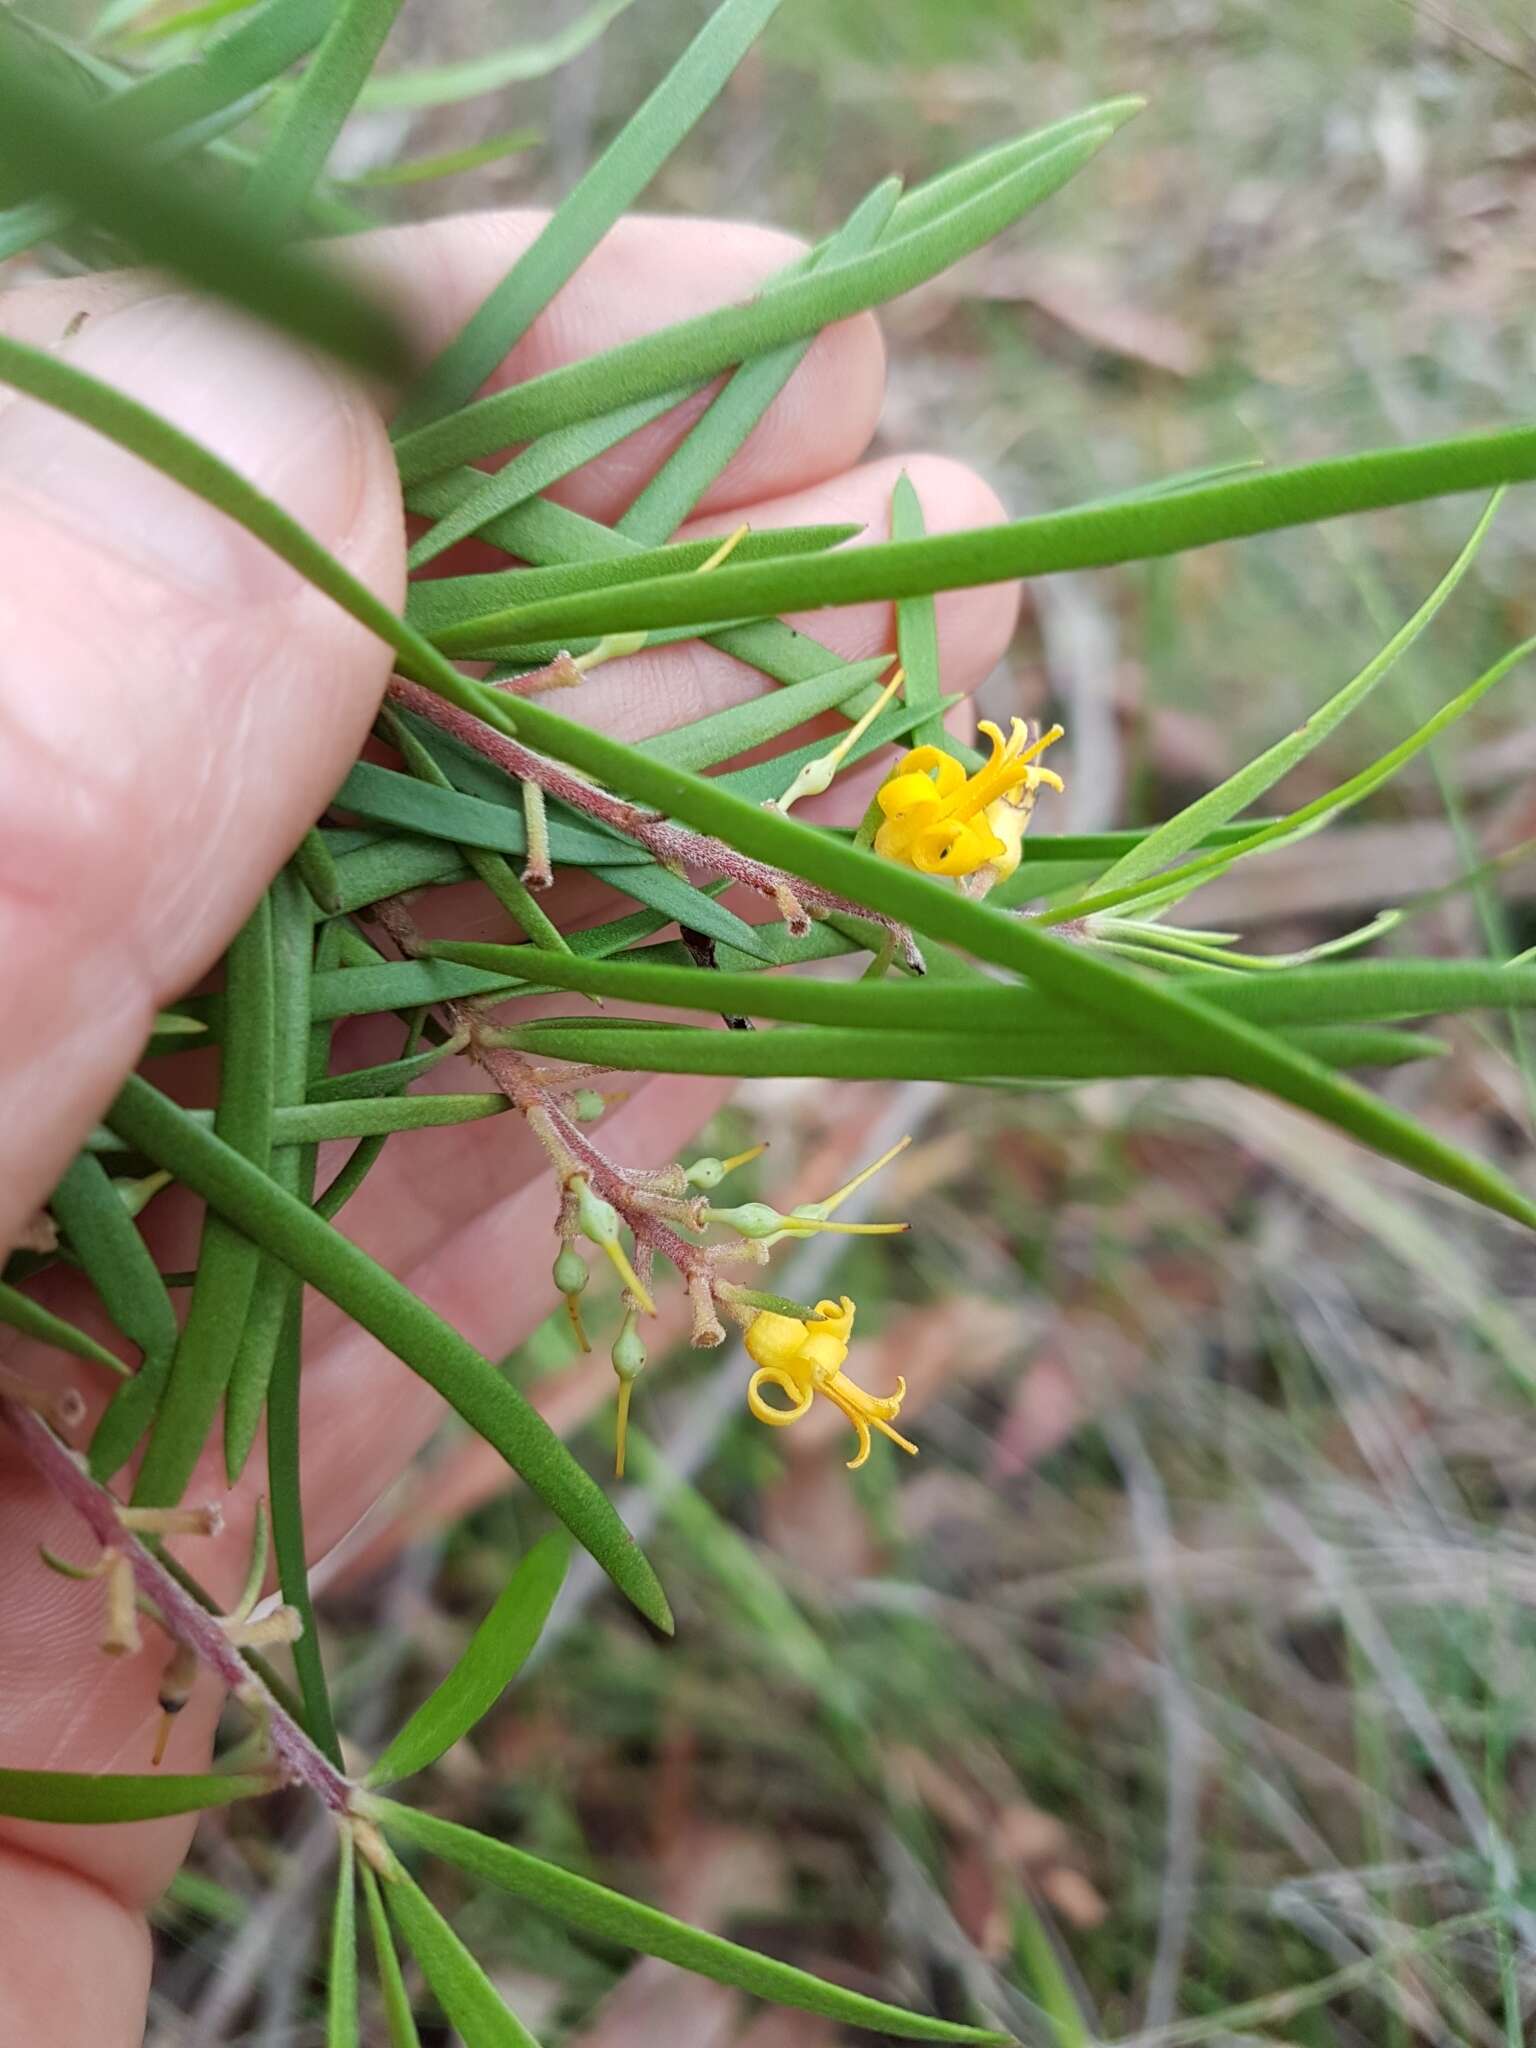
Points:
(185, 1621)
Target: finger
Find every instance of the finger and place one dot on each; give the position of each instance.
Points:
(645, 274)
(175, 703)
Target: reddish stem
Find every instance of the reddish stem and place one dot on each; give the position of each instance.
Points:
(674, 844)
(185, 1620)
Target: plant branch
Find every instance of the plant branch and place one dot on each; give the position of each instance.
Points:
(184, 1620)
(673, 845)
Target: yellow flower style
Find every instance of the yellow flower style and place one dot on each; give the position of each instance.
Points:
(806, 1359)
(942, 821)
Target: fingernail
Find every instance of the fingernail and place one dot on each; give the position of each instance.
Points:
(279, 416)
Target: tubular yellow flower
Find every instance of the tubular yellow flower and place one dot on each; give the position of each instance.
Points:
(804, 1359)
(942, 821)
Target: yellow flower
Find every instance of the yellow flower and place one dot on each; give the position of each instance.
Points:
(806, 1359)
(942, 821)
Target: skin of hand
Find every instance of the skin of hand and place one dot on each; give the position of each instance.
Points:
(176, 706)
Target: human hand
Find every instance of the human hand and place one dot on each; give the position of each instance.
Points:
(175, 708)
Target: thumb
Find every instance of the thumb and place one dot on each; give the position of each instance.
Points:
(176, 704)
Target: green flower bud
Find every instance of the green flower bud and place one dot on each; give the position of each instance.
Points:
(751, 1219)
(595, 1218)
(629, 1351)
(705, 1173)
(571, 1274)
(586, 1105)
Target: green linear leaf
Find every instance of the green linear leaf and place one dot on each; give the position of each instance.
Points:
(88, 1799)
(691, 350)
(1164, 1014)
(1084, 538)
(1086, 1054)
(365, 1156)
(296, 152)
(390, 798)
(117, 1262)
(552, 535)
(380, 1080)
(425, 170)
(317, 870)
(290, 1231)
(467, 1996)
(464, 603)
(612, 1917)
(940, 194)
(917, 627)
(1370, 991)
(536, 467)
(274, 1296)
(402, 985)
(586, 213)
(22, 1313)
(495, 1654)
(677, 487)
(724, 734)
(60, 151)
(342, 2021)
(1378, 990)
(184, 100)
(1177, 882)
(398, 2017)
(269, 1369)
(393, 863)
(227, 1262)
(446, 84)
(224, 71)
(1222, 803)
(319, 1123)
(659, 889)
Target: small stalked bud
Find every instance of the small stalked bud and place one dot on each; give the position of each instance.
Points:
(204, 1521)
(61, 1407)
(571, 1277)
(176, 1683)
(816, 777)
(707, 1173)
(628, 1362)
(708, 1330)
(587, 1105)
(136, 1195)
(750, 1219)
(121, 1637)
(282, 1625)
(599, 1221)
(612, 647)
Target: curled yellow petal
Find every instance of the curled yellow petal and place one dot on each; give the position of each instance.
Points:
(801, 1395)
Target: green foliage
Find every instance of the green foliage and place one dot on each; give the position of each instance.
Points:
(467, 1996)
(612, 1916)
(495, 1654)
(85, 1799)
(341, 2014)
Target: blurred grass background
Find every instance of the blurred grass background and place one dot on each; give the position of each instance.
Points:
(1179, 1690)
